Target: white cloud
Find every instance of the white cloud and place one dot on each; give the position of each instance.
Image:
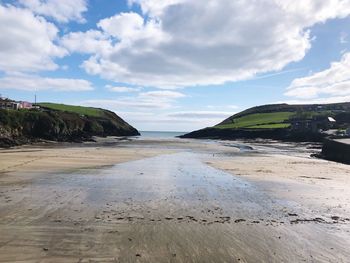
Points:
(217, 107)
(91, 41)
(302, 92)
(127, 103)
(61, 10)
(322, 100)
(122, 26)
(330, 85)
(27, 42)
(122, 89)
(162, 94)
(154, 7)
(37, 83)
(201, 115)
(151, 100)
(185, 42)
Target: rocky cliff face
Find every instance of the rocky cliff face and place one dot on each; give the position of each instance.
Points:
(18, 127)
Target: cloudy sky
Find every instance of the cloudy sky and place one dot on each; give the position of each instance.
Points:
(175, 65)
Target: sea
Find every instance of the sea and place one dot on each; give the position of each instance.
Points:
(161, 134)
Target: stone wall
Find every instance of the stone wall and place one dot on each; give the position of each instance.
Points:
(336, 151)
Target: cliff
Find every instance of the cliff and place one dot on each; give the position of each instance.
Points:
(60, 122)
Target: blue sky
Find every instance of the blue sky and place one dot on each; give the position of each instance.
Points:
(175, 65)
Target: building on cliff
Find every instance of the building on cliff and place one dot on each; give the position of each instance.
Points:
(25, 105)
(8, 104)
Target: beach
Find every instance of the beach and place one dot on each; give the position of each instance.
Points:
(172, 200)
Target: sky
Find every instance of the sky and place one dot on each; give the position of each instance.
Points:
(175, 65)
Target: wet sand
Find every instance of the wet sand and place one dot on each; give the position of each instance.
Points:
(172, 201)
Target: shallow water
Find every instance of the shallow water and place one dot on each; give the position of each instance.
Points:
(161, 188)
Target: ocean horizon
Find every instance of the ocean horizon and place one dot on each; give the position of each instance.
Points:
(161, 134)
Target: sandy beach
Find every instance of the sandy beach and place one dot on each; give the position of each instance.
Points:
(172, 200)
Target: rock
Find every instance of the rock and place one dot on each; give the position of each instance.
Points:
(292, 214)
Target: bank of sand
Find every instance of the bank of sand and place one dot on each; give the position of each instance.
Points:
(52, 157)
(313, 183)
(24, 163)
(164, 203)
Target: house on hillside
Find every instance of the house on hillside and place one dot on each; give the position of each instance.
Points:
(8, 104)
(25, 105)
(303, 125)
(314, 124)
(331, 120)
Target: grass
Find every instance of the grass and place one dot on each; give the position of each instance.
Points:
(274, 120)
(87, 111)
(271, 126)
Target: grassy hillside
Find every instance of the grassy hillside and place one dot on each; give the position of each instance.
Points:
(106, 118)
(280, 116)
(259, 121)
(87, 111)
(280, 121)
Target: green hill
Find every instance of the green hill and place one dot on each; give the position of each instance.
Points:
(60, 122)
(282, 115)
(259, 121)
(88, 111)
(280, 121)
